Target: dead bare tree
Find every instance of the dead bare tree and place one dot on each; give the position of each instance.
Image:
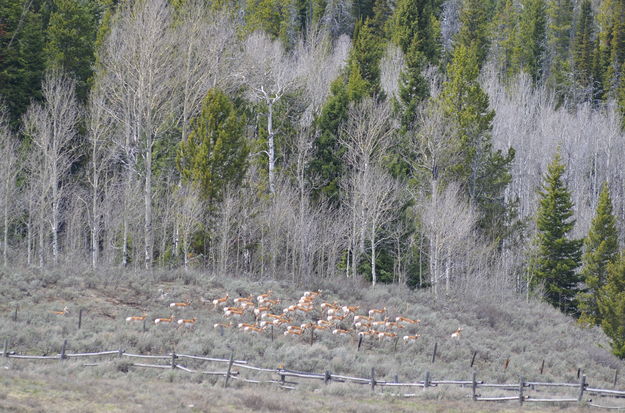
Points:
(270, 73)
(366, 136)
(138, 59)
(52, 127)
(9, 170)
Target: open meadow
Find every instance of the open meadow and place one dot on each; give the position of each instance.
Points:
(510, 339)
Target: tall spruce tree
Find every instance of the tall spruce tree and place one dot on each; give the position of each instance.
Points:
(558, 256)
(503, 35)
(71, 38)
(215, 155)
(611, 19)
(475, 16)
(529, 48)
(600, 248)
(559, 33)
(583, 49)
(482, 172)
(612, 305)
(414, 24)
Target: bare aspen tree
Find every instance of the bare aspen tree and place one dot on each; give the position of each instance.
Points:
(270, 74)
(366, 135)
(320, 62)
(52, 127)
(99, 138)
(141, 78)
(448, 222)
(8, 174)
(391, 67)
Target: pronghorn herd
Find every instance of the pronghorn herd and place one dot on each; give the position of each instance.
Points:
(257, 314)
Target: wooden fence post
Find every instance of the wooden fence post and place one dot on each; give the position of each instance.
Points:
(434, 352)
(582, 387)
(80, 318)
(396, 378)
(312, 336)
(426, 381)
(372, 379)
(506, 363)
(120, 352)
(221, 331)
(542, 366)
(229, 369)
(5, 352)
(272, 333)
(396, 340)
(521, 385)
(473, 358)
(327, 377)
(615, 377)
(474, 386)
(15, 314)
(359, 342)
(173, 360)
(144, 326)
(63, 356)
(579, 371)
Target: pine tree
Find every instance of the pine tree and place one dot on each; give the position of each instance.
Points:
(483, 173)
(600, 248)
(583, 49)
(71, 38)
(559, 30)
(364, 59)
(611, 19)
(326, 167)
(558, 256)
(475, 16)
(414, 24)
(621, 97)
(529, 49)
(504, 32)
(22, 60)
(612, 305)
(215, 155)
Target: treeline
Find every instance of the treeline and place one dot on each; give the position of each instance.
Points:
(402, 141)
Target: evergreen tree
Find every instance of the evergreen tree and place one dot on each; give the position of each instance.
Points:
(475, 16)
(612, 305)
(364, 60)
(413, 88)
(611, 19)
(414, 25)
(583, 49)
(483, 173)
(71, 38)
(560, 26)
(504, 33)
(600, 248)
(529, 48)
(21, 56)
(558, 256)
(215, 155)
(363, 9)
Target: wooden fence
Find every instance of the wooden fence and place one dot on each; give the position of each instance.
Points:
(524, 391)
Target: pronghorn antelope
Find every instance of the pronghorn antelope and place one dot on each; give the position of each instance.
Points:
(233, 312)
(258, 312)
(253, 329)
(64, 312)
(367, 333)
(325, 323)
(350, 309)
(187, 322)
(327, 306)
(340, 332)
(456, 334)
(312, 294)
(263, 297)
(362, 324)
(180, 304)
(293, 332)
(169, 320)
(411, 339)
(269, 302)
(358, 318)
(406, 320)
(222, 325)
(243, 325)
(376, 311)
(380, 324)
(336, 318)
(136, 318)
(240, 300)
(220, 301)
(384, 335)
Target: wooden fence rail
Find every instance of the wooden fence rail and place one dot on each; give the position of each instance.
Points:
(327, 377)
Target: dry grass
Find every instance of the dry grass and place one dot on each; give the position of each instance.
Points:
(497, 327)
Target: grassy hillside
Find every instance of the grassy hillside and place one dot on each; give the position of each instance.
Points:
(499, 328)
